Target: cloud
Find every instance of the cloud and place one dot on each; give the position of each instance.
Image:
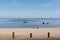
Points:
(39, 11)
(47, 4)
(42, 5)
(18, 4)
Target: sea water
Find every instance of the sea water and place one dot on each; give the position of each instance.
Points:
(29, 22)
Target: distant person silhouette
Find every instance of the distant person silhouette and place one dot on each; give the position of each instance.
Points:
(47, 22)
(43, 23)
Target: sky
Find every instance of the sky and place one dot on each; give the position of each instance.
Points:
(29, 8)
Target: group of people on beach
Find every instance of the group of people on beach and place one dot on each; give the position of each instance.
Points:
(45, 23)
(42, 22)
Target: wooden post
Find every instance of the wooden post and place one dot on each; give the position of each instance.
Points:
(13, 35)
(48, 34)
(30, 35)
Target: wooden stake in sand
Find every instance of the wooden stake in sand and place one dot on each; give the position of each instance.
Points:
(48, 34)
(13, 35)
(30, 35)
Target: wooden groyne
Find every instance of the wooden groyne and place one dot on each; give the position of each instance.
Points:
(30, 34)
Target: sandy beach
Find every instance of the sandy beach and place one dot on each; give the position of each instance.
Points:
(24, 33)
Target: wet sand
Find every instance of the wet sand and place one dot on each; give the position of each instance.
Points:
(24, 34)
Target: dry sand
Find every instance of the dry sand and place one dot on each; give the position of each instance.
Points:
(24, 33)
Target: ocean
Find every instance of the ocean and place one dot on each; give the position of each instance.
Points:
(29, 22)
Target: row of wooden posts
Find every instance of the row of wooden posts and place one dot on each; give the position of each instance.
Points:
(13, 35)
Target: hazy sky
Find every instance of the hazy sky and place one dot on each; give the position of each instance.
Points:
(29, 8)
